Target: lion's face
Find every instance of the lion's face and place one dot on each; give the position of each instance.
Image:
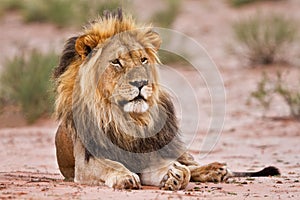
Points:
(125, 71)
(134, 90)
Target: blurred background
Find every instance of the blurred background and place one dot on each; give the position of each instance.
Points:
(237, 34)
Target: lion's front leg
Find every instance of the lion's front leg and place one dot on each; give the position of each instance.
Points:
(172, 176)
(95, 171)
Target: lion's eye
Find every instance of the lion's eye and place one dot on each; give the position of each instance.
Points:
(144, 60)
(116, 63)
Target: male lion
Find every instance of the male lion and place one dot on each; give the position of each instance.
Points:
(117, 125)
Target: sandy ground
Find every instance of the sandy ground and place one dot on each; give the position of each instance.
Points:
(251, 138)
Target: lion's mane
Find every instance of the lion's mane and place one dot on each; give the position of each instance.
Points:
(84, 111)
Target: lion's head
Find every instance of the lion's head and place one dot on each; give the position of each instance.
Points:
(116, 59)
(124, 70)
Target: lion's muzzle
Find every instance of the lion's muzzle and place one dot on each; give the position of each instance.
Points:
(136, 94)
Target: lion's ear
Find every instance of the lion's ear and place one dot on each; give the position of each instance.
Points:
(152, 40)
(85, 44)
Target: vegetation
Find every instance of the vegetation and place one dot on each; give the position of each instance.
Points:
(166, 17)
(60, 12)
(167, 57)
(8, 5)
(263, 38)
(237, 3)
(267, 88)
(291, 97)
(25, 82)
(11, 4)
(263, 92)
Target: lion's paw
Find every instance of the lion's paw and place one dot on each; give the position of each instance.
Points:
(124, 181)
(177, 177)
(213, 172)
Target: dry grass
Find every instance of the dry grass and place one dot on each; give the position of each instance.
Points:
(238, 3)
(263, 39)
(166, 17)
(267, 88)
(25, 82)
(60, 12)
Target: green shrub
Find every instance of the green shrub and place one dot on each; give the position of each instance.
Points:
(63, 12)
(56, 11)
(263, 38)
(167, 57)
(9, 5)
(263, 92)
(237, 3)
(166, 17)
(267, 88)
(25, 81)
(290, 96)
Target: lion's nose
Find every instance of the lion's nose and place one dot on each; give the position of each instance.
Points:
(139, 84)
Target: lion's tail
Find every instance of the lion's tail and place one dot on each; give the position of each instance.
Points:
(267, 171)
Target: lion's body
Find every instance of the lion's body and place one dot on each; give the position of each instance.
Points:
(65, 153)
(115, 119)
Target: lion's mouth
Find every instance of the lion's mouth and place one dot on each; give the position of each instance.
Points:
(138, 98)
(137, 105)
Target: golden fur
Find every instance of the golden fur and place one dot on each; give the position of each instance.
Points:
(108, 96)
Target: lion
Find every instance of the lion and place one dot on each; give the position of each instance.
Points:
(117, 125)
